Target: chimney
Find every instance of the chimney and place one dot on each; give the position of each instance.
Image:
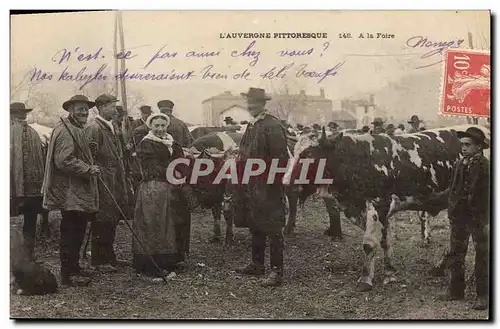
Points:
(372, 99)
(322, 92)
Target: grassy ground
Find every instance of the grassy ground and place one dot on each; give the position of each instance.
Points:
(320, 279)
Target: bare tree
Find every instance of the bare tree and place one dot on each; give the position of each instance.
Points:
(289, 101)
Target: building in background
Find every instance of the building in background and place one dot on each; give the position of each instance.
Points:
(295, 108)
(345, 119)
(363, 109)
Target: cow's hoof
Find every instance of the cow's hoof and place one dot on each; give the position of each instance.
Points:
(215, 239)
(229, 241)
(363, 287)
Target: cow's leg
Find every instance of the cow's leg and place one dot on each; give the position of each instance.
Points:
(425, 229)
(444, 262)
(292, 212)
(217, 232)
(387, 244)
(371, 244)
(335, 229)
(228, 217)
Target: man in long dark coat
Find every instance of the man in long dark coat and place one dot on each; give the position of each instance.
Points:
(180, 204)
(104, 143)
(70, 185)
(177, 128)
(27, 161)
(261, 206)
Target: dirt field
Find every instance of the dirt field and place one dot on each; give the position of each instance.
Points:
(320, 279)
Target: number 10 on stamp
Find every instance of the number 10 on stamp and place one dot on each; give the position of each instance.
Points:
(466, 83)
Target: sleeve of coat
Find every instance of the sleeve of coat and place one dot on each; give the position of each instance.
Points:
(188, 138)
(95, 139)
(277, 145)
(64, 158)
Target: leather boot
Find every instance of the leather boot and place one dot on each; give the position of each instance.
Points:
(274, 279)
(252, 269)
(448, 296)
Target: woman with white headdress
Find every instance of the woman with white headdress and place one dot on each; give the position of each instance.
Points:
(154, 218)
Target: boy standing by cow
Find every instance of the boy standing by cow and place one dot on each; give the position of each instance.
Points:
(468, 211)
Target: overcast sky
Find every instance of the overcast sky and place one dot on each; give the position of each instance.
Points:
(368, 64)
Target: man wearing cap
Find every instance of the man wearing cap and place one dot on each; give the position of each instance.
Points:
(333, 126)
(70, 185)
(178, 129)
(104, 143)
(378, 126)
(261, 206)
(229, 121)
(415, 124)
(400, 129)
(390, 129)
(145, 113)
(469, 214)
(27, 161)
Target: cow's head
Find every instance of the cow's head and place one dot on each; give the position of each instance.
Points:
(206, 190)
(314, 146)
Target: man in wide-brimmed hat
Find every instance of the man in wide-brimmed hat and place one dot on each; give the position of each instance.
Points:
(469, 214)
(70, 185)
(260, 206)
(104, 142)
(378, 126)
(415, 124)
(27, 161)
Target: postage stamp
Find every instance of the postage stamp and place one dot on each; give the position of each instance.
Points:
(466, 84)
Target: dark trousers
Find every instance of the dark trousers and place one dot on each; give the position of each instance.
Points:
(30, 209)
(276, 246)
(463, 225)
(73, 226)
(103, 238)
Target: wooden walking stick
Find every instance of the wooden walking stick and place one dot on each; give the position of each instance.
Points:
(117, 205)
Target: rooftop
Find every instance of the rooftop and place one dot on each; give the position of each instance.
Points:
(227, 95)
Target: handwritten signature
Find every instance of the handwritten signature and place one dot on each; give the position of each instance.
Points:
(437, 47)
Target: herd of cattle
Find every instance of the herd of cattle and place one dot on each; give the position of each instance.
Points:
(374, 177)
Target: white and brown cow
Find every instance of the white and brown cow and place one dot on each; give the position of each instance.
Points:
(367, 170)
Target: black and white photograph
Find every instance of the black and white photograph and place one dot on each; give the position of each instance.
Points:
(276, 165)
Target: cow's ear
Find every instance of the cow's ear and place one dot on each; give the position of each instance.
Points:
(338, 136)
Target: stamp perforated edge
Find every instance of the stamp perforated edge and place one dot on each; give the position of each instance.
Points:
(444, 77)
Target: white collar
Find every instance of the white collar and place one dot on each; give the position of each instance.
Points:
(259, 117)
(108, 123)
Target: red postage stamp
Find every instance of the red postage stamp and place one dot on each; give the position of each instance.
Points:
(466, 83)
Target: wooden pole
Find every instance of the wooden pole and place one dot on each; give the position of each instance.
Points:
(115, 53)
(126, 125)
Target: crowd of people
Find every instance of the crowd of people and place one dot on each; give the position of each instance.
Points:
(93, 172)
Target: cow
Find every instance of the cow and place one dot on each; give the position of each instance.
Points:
(217, 147)
(202, 131)
(367, 170)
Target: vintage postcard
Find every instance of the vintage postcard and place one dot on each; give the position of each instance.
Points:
(250, 165)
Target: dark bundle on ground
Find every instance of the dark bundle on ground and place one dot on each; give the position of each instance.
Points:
(29, 276)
